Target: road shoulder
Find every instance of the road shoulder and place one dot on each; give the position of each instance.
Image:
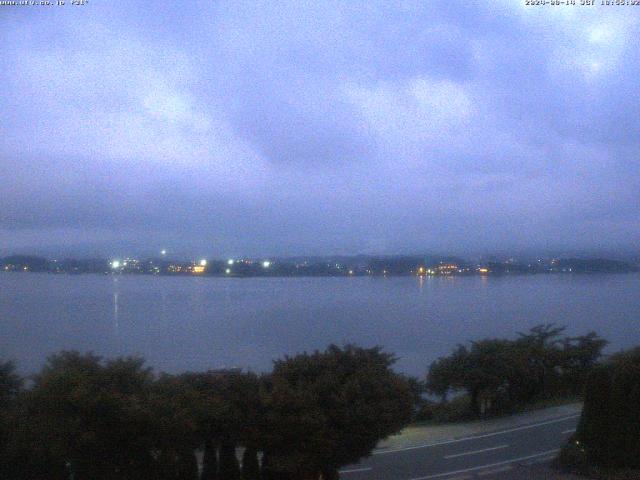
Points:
(427, 434)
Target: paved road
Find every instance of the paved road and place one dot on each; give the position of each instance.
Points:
(479, 456)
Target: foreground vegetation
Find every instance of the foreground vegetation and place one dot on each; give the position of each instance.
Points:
(607, 441)
(498, 376)
(86, 418)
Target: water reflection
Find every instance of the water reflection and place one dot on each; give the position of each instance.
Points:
(116, 316)
(200, 323)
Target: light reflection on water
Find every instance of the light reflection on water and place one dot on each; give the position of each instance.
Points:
(182, 323)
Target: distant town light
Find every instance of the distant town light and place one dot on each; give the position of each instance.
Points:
(115, 264)
(230, 261)
(203, 263)
(266, 264)
(227, 271)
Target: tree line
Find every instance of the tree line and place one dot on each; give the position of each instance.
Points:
(84, 417)
(500, 375)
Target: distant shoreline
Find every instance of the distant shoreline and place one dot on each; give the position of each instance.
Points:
(185, 275)
(357, 266)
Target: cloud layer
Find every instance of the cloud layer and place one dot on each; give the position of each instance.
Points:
(319, 127)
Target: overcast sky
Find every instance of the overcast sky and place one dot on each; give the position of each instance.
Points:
(275, 128)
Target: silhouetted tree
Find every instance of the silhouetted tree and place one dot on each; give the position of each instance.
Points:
(330, 409)
(539, 356)
(94, 419)
(500, 374)
(447, 373)
(89, 417)
(224, 411)
(578, 357)
(10, 384)
(610, 422)
(10, 388)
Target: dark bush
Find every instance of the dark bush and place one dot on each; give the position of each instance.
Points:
(609, 428)
(573, 457)
(88, 418)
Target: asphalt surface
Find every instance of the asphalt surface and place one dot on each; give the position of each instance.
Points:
(488, 455)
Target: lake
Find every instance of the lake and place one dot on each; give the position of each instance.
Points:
(195, 323)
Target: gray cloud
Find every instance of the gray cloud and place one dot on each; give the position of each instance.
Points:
(281, 128)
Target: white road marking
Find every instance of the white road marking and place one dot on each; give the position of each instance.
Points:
(476, 451)
(461, 477)
(540, 460)
(570, 430)
(466, 439)
(354, 470)
(495, 470)
(482, 467)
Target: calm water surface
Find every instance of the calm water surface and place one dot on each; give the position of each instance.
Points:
(180, 323)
